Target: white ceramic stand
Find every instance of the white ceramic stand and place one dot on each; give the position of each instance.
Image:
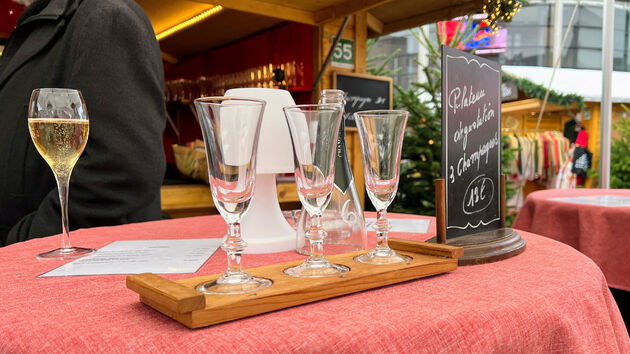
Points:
(264, 228)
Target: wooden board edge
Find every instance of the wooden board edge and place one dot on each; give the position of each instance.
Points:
(432, 249)
(257, 306)
(183, 318)
(362, 76)
(172, 295)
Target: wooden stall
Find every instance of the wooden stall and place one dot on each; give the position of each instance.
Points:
(192, 52)
(525, 112)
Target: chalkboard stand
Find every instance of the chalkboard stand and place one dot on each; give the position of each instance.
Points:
(440, 210)
(483, 247)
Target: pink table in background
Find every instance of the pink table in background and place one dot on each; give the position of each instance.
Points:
(600, 232)
(551, 298)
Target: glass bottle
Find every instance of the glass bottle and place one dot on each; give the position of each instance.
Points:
(343, 218)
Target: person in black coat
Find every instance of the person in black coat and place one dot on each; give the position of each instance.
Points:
(108, 51)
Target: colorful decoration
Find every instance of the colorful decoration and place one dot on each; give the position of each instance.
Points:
(480, 37)
(500, 10)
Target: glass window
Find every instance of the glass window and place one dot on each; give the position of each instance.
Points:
(533, 15)
(589, 16)
(571, 38)
(620, 62)
(567, 11)
(620, 39)
(536, 56)
(621, 16)
(589, 37)
(589, 59)
(527, 36)
(569, 58)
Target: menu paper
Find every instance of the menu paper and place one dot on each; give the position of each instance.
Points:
(412, 226)
(142, 256)
(601, 200)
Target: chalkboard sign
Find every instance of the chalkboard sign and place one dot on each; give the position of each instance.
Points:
(363, 93)
(471, 142)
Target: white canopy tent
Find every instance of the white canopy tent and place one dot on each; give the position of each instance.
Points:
(586, 83)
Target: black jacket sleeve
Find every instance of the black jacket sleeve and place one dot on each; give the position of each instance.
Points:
(114, 60)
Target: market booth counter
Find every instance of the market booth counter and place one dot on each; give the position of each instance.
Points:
(185, 200)
(549, 298)
(574, 102)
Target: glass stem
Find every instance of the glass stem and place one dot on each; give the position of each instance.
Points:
(234, 247)
(316, 236)
(381, 227)
(62, 187)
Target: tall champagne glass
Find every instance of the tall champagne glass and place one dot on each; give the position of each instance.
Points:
(230, 128)
(314, 131)
(381, 134)
(59, 125)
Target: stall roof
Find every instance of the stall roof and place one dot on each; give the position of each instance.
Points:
(239, 19)
(586, 83)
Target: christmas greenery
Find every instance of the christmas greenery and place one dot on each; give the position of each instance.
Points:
(534, 90)
(620, 154)
(508, 155)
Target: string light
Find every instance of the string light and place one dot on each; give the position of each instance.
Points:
(500, 10)
(191, 21)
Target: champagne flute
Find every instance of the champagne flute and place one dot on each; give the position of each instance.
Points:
(59, 126)
(230, 128)
(314, 131)
(381, 133)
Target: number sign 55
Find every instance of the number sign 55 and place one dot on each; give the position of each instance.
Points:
(343, 54)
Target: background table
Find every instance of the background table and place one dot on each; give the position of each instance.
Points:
(550, 298)
(602, 233)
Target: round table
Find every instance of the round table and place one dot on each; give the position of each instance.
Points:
(577, 218)
(550, 298)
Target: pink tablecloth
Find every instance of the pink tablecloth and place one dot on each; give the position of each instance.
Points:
(551, 298)
(600, 232)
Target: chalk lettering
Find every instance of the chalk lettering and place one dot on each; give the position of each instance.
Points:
(475, 159)
(358, 101)
(462, 132)
(460, 98)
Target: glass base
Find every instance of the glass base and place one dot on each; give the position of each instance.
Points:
(382, 257)
(65, 253)
(234, 284)
(316, 269)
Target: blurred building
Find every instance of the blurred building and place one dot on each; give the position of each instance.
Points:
(525, 48)
(527, 40)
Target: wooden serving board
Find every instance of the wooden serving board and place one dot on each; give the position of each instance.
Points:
(180, 301)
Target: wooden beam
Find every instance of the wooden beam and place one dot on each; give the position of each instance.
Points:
(433, 16)
(195, 199)
(360, 41)
(168, 58)
(530, 105)
(345, 9)
(375, 24)
(264, 8)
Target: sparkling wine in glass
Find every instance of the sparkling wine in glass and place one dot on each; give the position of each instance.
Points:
(381, 134)
(314, 131)
(230, 128)
(59, 126)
